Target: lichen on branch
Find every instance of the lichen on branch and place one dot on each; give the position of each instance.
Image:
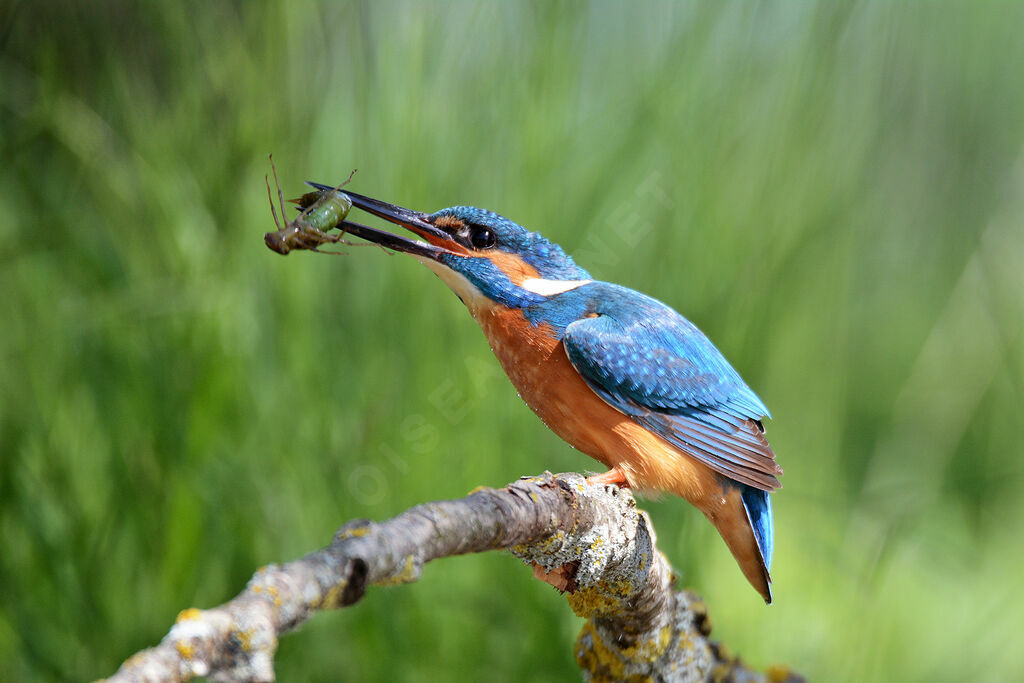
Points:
(589, 541)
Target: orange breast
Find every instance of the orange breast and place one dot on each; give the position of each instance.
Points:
(540, 370)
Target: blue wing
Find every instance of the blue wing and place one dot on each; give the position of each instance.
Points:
(758, 505)
(650, 363)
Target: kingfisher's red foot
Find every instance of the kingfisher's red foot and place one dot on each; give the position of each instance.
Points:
(613, 476)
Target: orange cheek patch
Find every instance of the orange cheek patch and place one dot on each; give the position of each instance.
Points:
(514, 267)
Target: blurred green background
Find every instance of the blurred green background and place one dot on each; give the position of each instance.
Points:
(834, 192)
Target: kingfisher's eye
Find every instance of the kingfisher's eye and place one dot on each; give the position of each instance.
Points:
(482, 238)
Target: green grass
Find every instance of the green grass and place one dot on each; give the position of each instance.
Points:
(832, 191)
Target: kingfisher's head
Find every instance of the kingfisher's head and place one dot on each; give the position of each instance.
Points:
(483, 257)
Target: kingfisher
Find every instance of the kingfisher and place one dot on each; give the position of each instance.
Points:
(617, 374)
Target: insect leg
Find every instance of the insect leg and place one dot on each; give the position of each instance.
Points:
(272, 209)
(280, 195)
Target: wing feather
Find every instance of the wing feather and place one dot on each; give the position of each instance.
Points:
(659, 369)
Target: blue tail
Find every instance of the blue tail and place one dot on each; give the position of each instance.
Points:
(758, 504)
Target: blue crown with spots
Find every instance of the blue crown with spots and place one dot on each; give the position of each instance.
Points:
(548, 258)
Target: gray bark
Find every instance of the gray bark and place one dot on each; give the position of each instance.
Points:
(589, 541)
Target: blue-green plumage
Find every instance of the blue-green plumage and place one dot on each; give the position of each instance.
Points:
(640, 356)
(635, 353)
(654, 365)
(758, 505)
(547, 257)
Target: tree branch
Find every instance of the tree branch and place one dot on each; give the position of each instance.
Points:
(589, 541)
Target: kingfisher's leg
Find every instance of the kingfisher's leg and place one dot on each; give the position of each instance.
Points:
(613, 476)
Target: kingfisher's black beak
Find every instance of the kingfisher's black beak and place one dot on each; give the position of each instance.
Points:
(437, 240)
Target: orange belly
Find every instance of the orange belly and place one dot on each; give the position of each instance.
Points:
(540, 370)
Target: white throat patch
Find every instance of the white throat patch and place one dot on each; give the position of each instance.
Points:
(551, 287)
(470, 295)
(477, 302)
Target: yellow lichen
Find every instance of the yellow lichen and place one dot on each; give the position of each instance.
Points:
(651, 649)
(244, 639)
(407, 574)
(478, 489)
(724, 667)
(604, 664)
(188, 615)
(721, 673)
(600, 599)
(353, 533)
(185, 649)
(275, 594)
(554, 539)
(333, 597)
(548, 546)
(592, 655)
(777, 673)
(701, 618)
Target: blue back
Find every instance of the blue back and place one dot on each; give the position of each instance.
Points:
(758, 504)
(641, 357)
